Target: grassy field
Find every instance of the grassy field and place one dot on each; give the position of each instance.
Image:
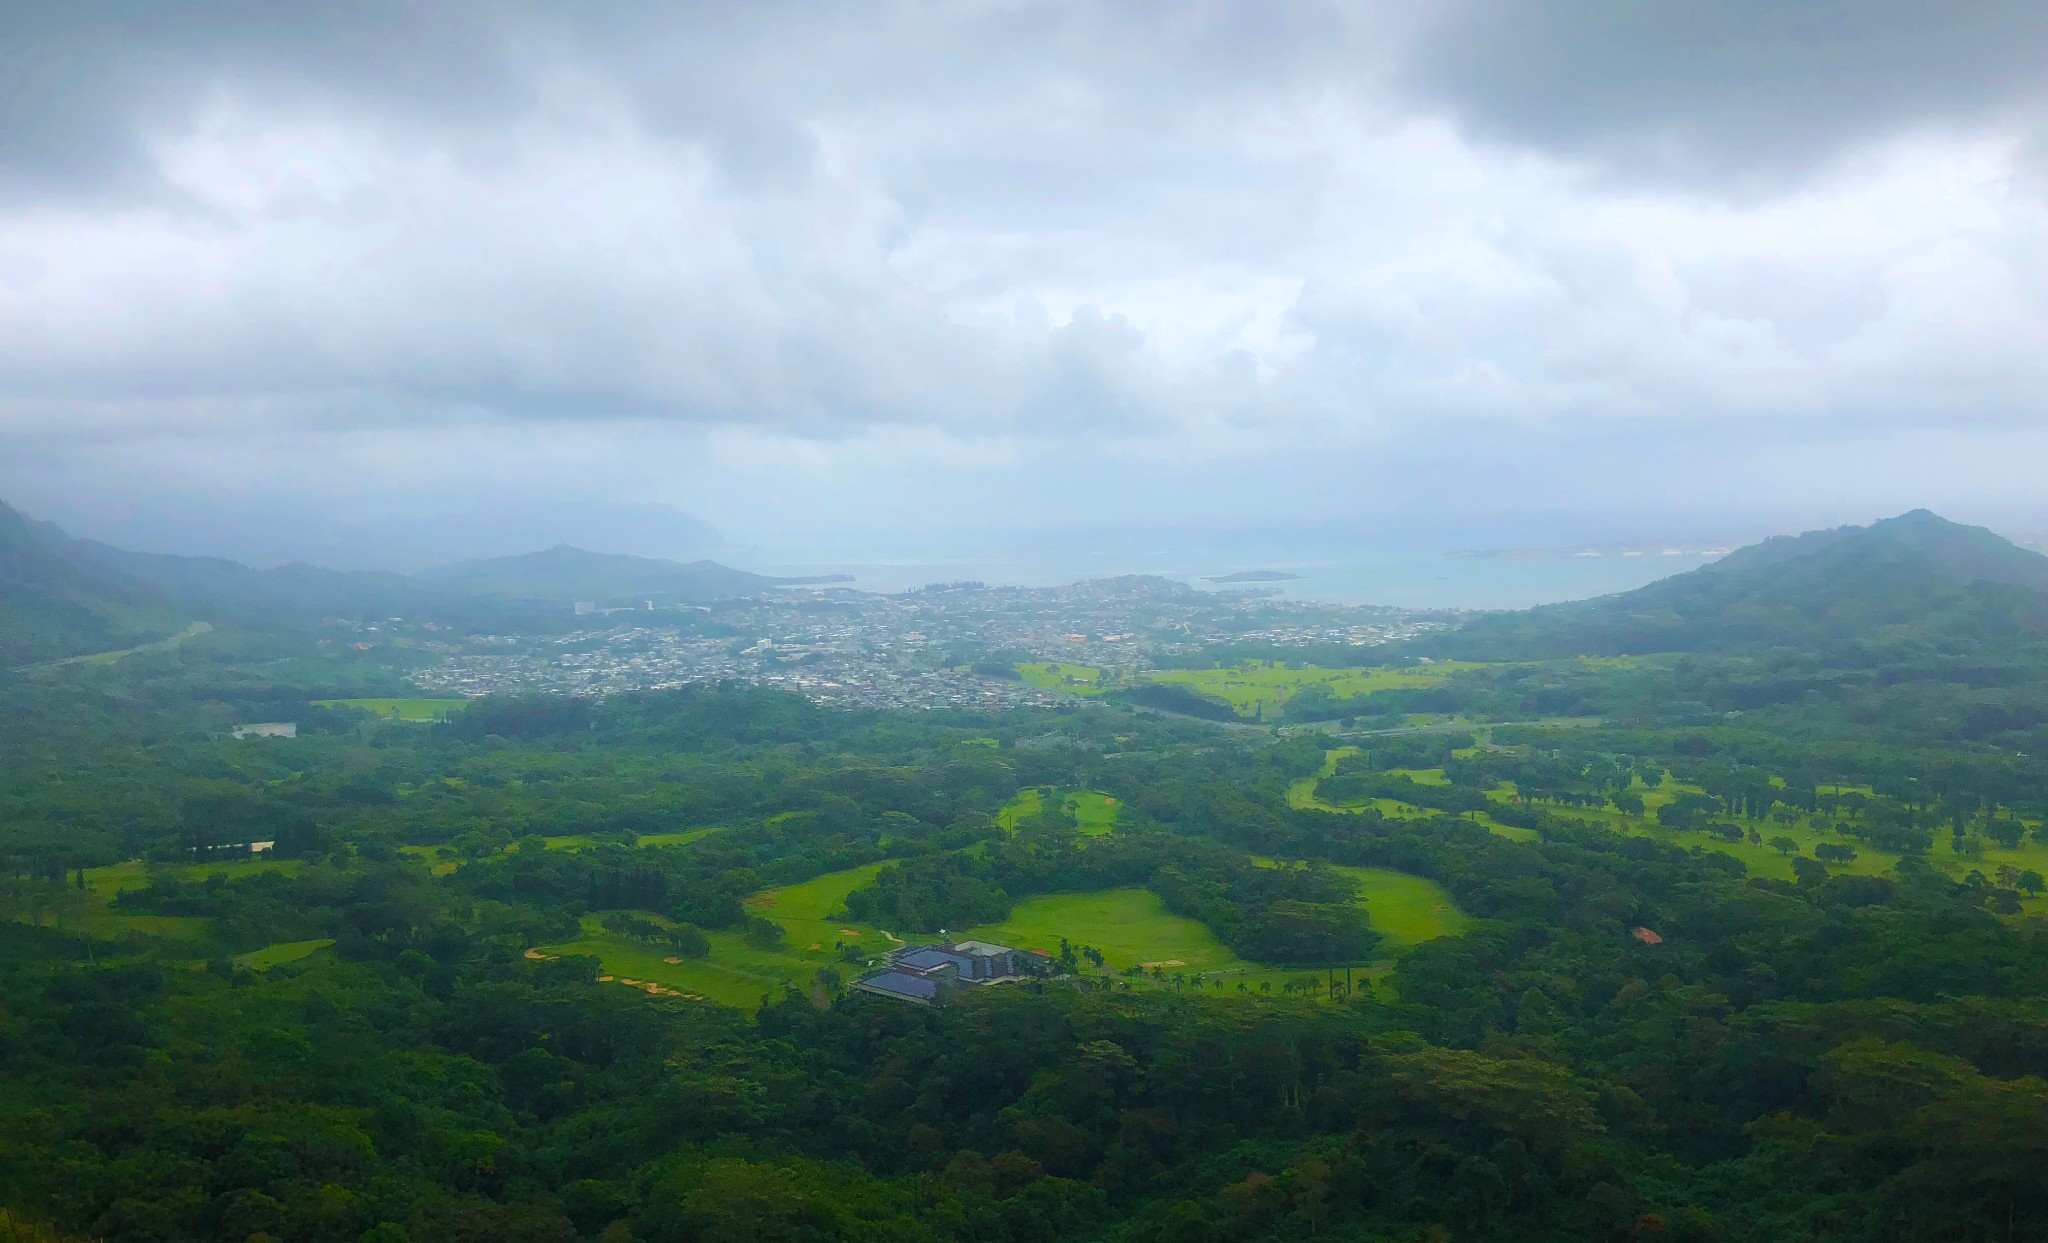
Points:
(96, 916)
(442, 861)
(1406, 909)
(737, 973)
(401, 709)
(1303, 794)
(1027, 803)
(1260, 689)
(1762, 859)
(1130, 927)
(676, 839)
(1053, 675)
(278, 955)
(1093, 811)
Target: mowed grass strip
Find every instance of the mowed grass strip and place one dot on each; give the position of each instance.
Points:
(1130, 926)
(98, 918)
(1805, 832)
(1404, 908)
(401, 709)
(1262, 688)
(808, 913)
(278, 955)
(1053, 675)
(1093, 811)
(1027, 803)
(736, 972)
(1303, 794)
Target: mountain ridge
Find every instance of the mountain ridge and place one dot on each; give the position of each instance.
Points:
(61, 596)
(1917, 577)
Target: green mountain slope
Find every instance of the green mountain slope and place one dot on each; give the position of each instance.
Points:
(216, 584)
(1915, 580)
(52, 607)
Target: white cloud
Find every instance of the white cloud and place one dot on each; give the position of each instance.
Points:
(978, 241)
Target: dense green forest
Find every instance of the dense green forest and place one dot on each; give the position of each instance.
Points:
(1749, 945)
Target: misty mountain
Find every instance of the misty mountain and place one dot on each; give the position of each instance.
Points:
(566, 573)
(61, 596)
(214, 583)
(51, 606)
(1917, 578)
(281, 531)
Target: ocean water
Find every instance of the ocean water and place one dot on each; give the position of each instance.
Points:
(1400, 572)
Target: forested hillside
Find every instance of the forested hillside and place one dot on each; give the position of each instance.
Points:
(51, 607)
(547, 971)
(1909, 582)
(63, 597)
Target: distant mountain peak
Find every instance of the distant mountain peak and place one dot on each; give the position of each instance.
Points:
(1951, 584)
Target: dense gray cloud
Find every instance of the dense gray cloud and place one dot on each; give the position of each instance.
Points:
(1734, 94)
(809, 266)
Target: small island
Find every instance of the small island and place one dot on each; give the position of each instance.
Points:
(1255, 576)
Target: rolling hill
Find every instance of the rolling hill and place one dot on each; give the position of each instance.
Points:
(1917, 579)
(61, 596)
(52, 607)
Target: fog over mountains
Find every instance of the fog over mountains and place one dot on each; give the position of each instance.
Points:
(1916, 578)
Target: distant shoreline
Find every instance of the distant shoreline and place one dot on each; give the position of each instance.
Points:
(1255, 576)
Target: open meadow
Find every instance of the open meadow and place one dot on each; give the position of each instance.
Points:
(737, 972)
(1093, 811)
(1260, 689)
(1053, 675)
(401, 709)
(93, 913)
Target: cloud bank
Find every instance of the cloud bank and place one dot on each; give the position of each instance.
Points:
(790, 266)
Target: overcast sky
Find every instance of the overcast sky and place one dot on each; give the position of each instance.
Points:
(815, 271)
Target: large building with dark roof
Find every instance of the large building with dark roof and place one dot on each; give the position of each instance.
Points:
(926, 974)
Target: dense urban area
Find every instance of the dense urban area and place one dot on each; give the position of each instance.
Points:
(918, 649)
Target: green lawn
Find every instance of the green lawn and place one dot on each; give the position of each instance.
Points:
(442, 861)
(1053, 675)
(1133, 927)
(1026, 804)
(1761, 859)
(401, 709)
(96, 916)
(1303, 794)
(737, 973)
(1093, 811)
(1129, 926)
(277, 955)
(1262, 688)
(676, 839)
(1406, 909)
(807, 911)
(437, 858)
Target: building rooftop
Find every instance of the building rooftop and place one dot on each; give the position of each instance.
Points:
(902, 984)
(926, 958)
